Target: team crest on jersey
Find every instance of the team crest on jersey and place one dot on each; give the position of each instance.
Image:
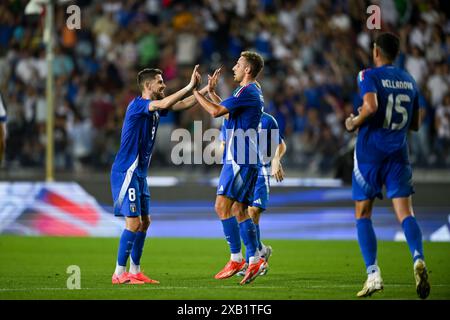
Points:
(361, 74)
(132, 207)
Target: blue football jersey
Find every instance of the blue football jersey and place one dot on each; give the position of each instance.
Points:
(268, 140)
(245, 107)
(223, 136)
(386, 131)
(269, 137)
(138, 137)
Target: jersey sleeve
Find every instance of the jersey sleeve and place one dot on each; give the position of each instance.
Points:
(243, 98)
(366, 82)
(141, 107)
(274, 126)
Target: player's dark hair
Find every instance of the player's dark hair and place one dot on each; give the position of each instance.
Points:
(145, 75)
(255, 60)
(389, 44)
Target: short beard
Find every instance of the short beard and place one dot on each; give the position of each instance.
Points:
(158, 96)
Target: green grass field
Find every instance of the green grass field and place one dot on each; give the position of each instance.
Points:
(35, 268)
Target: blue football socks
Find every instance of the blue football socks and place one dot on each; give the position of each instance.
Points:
(367, 241)
(258, 236)
(248, 234)
(413, 237)
(125, 245)
(231, 231)
(138, 247)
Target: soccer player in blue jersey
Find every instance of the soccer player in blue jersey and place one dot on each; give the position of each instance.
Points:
(129, 170)
(390, 108)
(269, 138)
(240, 169)
(270, 165)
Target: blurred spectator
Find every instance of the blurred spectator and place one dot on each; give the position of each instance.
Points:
(438, 83)
(62, 155)
(420, 35)
(148, 46)
(416, 65)
(421, 154)
(328, 148)
(313, 52)
(443, 130)
(81, 135)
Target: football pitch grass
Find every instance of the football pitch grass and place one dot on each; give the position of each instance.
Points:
(35, 268)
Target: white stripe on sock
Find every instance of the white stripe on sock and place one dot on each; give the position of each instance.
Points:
(134, 268)
(120, 269)
(236, 257)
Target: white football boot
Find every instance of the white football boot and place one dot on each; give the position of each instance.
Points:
(267, 254)
(373, 284)
(421, 276)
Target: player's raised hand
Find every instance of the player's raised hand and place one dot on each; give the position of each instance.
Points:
(214, 79)
(194, 78)
(349, 125)
(198, 80)
(277, 170)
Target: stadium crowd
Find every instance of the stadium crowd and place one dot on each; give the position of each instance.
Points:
(313, 52)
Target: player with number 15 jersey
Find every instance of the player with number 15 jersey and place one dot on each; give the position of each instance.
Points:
(381, 151)
(390, 108)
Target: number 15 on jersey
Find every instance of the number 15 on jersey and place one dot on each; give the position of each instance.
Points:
(398, 108)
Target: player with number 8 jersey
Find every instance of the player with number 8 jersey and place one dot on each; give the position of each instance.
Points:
(129, 171)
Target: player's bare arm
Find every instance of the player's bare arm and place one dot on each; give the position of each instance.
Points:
(190, 101)
(368, 109)
(169, 101)
(212, 84)
(214, 109)
(277, 168)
